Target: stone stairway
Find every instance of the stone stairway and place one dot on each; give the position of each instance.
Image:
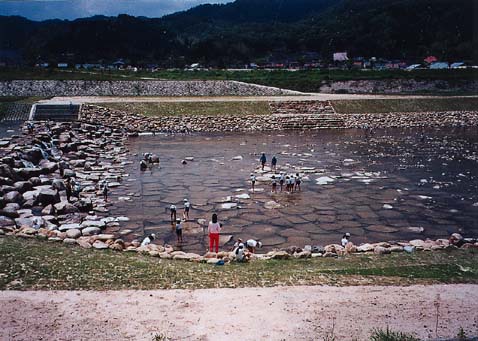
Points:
(306, 115)
(55, 112)
(311, 122)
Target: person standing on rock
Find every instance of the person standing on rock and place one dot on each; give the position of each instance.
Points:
(263, 160)
(213, 229)
(187, 207)
(172, 210)
(253, 182)
(69, 189)
(105, 191)
(274, 163)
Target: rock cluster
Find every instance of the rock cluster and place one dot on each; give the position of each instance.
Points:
(47, 88)
(33, 172)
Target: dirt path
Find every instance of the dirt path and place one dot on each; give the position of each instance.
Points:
(305, 97)
(280, 313)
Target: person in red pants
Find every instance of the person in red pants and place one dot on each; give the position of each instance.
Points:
(214, 228)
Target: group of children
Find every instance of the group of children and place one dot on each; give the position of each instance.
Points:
(291, 182)
(176, 223)
(243, 251)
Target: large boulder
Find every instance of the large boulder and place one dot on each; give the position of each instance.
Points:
(48, 167)
(84, 205)
(6, 222)
(58, 184)
(13, 196)
(73, 233)
(33, 155)
(7, 171)
(28, 172)
(48, 196)
(91, 231)
(65, 208)
(23, 186)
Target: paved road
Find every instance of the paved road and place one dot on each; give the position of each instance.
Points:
(279, 313)
(305, 97)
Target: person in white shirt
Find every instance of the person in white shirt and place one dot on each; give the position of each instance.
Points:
(172, 209)
(253, 181)
(345, 239)
(187, 207)
(179, 230)
(148, 240)
(252, 245)
(298, 181)
(239, 254)
(274, 184)
(281, 180)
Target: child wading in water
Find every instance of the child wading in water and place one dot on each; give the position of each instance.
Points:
(274, 163)
(298, 180)
(105, 190)
(274, 184)
(172, 209)
(187, 206)
(179, 230)
(263, 160)
(253, 182)
(281, 180)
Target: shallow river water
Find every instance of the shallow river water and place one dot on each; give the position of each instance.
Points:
(395, 184)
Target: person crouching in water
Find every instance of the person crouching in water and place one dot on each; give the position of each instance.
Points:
(239, 253)
(143, 165)
(252, 245)
(179, 230)
(187, 207)
(148, 240)
(172, 210)
(345, 239)
(213, 229)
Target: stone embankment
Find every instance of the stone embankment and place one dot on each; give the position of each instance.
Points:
(284, 116)
(34, 168)
(45, 88)
(398, 86)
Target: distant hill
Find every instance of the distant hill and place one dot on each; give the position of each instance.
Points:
(254, 30)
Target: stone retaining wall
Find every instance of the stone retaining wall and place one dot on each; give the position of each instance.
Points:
(282, 121)
(135, 88)
(395, 86)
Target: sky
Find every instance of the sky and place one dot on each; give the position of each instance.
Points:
(72, 9)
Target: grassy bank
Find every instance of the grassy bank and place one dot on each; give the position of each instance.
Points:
(32, 264)
(192, 108)
(306, 80)
(405, 105)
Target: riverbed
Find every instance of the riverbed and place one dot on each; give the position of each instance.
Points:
(383, 185)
